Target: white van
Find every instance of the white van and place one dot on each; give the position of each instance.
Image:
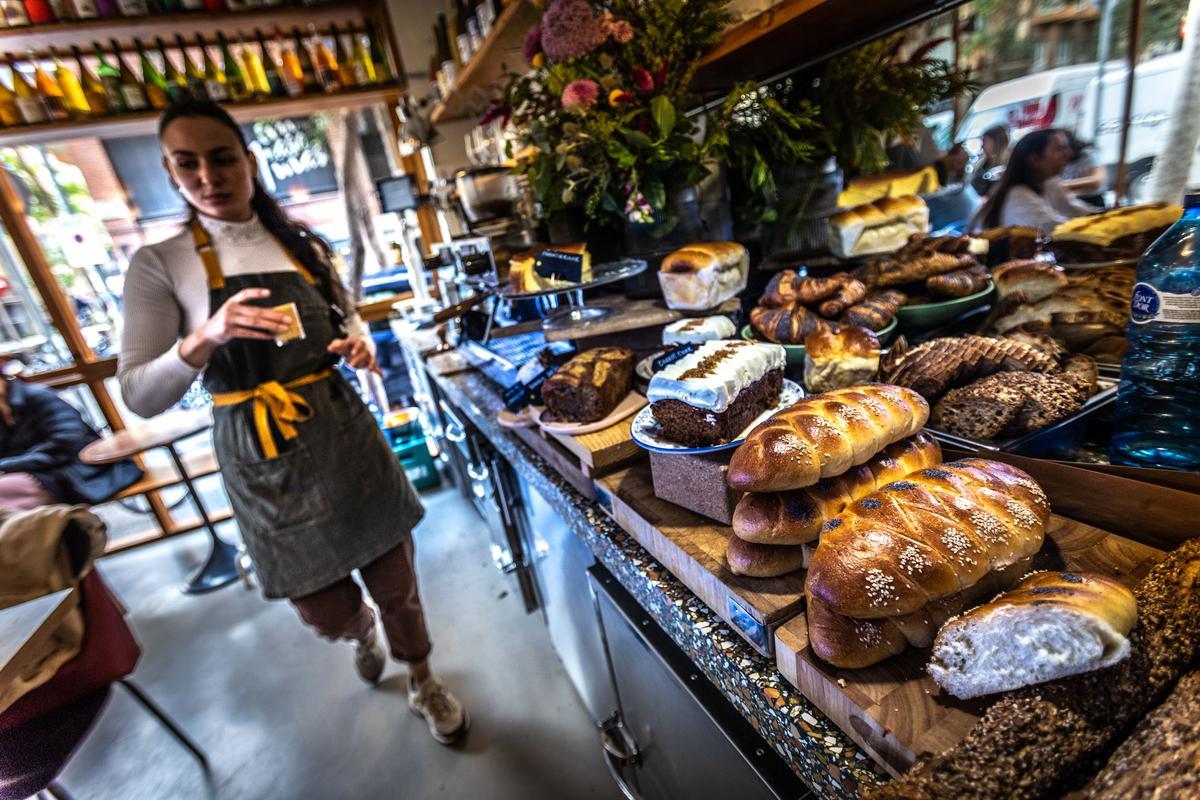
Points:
(1155, 85)
(1053, 98)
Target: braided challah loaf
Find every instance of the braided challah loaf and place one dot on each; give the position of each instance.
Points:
(824, 435)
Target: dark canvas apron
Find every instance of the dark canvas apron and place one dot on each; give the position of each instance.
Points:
(313, 485)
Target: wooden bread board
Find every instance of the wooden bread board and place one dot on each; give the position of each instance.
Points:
(894, 710)
(693, 549)
(601, 451)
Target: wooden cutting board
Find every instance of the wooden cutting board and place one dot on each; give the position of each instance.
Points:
(601, 451)
(692, 547)
(894, 710)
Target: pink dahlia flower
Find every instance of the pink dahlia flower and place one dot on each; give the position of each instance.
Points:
(580, 94)
(570, 29)
(622, 31)
(532, 45)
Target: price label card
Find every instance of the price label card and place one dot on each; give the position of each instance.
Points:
(520, 395)
(667, 359)
(559, 265)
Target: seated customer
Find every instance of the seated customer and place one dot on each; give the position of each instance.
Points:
(1030, 193)
(40, 438)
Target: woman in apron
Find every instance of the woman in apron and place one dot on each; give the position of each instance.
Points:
(250, 299)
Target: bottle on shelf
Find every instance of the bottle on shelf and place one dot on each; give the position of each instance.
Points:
(29, 105)
(1157, 417)
(106, 9)
(132, 91)
(176, 81)
(214, 5)
(290, 70)
(10, 115)
(254, 69)
(462, 36)
(473, 34)
(308, 73)
(38, 12)
(452, 33)
(215, 82)
(49, 92)
(485, 17)
(237, 5)
(345, 63)
(383, 69)
(83, 9)
(324, 63)
(364, 67)
(74, 99)
(62, 11)
(240, 87)
(93, 88)
(133, 8)
(193, 70)
(15, 15)
(110, 78)
(158, 91)
(191, 5)
(271, 66)
(447, 69)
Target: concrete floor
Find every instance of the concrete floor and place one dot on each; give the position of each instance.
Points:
(282, 713)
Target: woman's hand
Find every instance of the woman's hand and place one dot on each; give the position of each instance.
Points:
(356, 352)
(235, 319)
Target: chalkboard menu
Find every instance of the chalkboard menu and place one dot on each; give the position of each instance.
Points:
(293, 159)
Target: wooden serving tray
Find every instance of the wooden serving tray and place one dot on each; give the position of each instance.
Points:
(894, 710)
(600, 451)
(692, 547)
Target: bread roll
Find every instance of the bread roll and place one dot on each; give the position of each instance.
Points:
(796, 516)
(702, 276)
(879, 227)
(1053, 624)
(824, 435)
(1028, 743)
(930, 535)
(1032, 280)
(837, 360)
(762, 560)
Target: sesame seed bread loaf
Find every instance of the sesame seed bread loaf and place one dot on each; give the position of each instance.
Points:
(933, 534)
(825, 435)
(1051, 625)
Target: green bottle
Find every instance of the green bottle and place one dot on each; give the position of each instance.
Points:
(238, 81)
(158, 91)
(110, 79)
(177, 85)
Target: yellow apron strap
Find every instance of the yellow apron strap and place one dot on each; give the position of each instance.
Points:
(208, 256)
(274, 401)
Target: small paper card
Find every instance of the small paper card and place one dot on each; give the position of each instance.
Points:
(295, 329)
(520, 395)
(559, 265)
(669, 358)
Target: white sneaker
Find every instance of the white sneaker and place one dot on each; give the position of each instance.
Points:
(370, 656)
(446, 716)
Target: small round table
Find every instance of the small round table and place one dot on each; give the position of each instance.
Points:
(220, 568)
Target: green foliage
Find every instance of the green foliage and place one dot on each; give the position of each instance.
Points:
(642, 148)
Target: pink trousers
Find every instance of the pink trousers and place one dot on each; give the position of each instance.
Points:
(22, 490)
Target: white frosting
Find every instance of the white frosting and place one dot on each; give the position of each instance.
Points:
(700, 329)
(718, 388)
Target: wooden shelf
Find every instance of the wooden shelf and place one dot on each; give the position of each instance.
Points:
(793, 34)
(146, 122)
(82, 32)
(471, 92)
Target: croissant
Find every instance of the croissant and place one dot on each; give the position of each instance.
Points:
(780, 291)
(958, 283)
(876, 311)
(852, 291)
(825, 435)
(810, 289)
(786, 325)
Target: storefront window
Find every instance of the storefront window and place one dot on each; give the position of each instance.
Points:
(26, 332)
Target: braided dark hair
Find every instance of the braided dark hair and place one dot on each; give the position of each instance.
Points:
(306, 245)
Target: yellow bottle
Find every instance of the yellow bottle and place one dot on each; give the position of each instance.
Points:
(49, 92)
(324, 64)
(93, 88)
(345, 65)
(29, 105)
(9, 114)
(73, 97)
(254, 69)
(364, 67)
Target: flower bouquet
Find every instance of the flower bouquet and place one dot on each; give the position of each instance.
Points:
(602, 112)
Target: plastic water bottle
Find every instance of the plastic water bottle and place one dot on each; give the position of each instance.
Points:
(1157, 421)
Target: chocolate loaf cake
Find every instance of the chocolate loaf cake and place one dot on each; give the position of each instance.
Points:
(589, 386)
(711, 395)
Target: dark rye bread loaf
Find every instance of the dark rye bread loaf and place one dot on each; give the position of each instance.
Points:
(589, 386)
(1005, 404)
(1160, 760)
(1026, 745)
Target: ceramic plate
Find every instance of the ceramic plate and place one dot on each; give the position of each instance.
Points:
(646, 434)
(632, 402)
(525, 418)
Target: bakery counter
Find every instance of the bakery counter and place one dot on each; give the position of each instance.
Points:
(815, 749)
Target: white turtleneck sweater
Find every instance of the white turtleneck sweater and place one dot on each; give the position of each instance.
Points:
(166, 298)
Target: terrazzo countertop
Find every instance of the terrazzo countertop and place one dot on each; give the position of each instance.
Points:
(818, 751)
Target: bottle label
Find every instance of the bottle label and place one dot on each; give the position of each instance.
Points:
(135, 99)
(86, 9)
(217, 91)
(30, 110)
(1151, 305)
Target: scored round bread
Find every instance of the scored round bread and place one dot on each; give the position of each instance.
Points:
(763, 560)
(932, 534)
(796, 516)
(824, 435)
(1051, 625)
